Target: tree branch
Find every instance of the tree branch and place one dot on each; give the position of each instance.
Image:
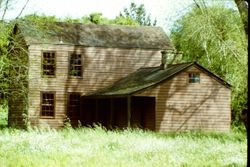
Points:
(5, 9)
(22, 9)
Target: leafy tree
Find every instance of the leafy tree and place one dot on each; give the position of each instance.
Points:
(138, 13)
(97, 18)
(214, 36)
(121, 20)
(93, 18)
(40, 18)
(10, 65)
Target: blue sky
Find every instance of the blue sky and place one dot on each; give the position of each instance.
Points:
(165, 11)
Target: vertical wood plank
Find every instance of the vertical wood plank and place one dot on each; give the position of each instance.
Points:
(129, 110)
(96, 110)
(111, 112)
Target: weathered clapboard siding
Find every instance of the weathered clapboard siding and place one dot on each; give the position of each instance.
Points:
(186, 106)
(101, 67)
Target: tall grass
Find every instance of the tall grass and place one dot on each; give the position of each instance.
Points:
(3, 115)
(134, 148)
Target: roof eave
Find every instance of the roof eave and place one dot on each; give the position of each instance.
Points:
(222, 81)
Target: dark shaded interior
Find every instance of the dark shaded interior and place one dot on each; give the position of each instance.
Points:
(113, 112)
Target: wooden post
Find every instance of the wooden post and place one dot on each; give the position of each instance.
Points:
(129, 110)
(111, 112)
(96, 111)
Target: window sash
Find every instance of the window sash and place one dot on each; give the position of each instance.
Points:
(75, 65)
(48, 64)
(47, 104)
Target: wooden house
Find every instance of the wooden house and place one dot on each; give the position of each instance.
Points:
(115, 76)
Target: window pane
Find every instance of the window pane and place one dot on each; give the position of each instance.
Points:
(194, 78)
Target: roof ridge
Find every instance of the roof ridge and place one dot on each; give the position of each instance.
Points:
(89, 24)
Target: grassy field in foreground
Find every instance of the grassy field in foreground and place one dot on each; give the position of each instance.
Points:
(130, 148)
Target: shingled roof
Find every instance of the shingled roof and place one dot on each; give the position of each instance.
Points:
(94, 35)
(147, 77)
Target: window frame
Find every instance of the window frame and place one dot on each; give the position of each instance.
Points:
(69, 65)
(77, 115)
(55, 64)
(41, 104)
(194, 78)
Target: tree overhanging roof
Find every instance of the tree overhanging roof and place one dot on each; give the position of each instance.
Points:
(147, 77)
(94, 35)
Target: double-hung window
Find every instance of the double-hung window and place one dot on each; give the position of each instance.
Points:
(48, 63)
(75, 65)
(47, 104)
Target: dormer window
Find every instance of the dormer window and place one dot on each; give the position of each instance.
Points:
(194, 77)
(75, 65)
(48, 63)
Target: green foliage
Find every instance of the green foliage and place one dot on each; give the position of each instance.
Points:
(121, 20)
(214, 36)
(40, 18)
(97, 18)
(99, 147)
(93, 18)
(4, 59)
(134, 15)
(3, 115)
(139, 14)
(14, 68)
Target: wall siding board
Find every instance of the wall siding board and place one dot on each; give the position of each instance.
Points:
(191, 106)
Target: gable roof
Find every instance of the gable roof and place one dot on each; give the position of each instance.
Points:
(147, 77)
(117, 36)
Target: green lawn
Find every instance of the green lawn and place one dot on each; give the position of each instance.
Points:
(130, 148)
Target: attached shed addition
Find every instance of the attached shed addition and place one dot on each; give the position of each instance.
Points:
(181, 97)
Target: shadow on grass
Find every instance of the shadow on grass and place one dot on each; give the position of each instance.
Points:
(3, 126)
(233, 135)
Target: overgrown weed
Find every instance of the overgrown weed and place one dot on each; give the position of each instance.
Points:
(98, 146)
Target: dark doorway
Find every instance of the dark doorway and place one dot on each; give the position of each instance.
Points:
(113, 112)
(143, 112)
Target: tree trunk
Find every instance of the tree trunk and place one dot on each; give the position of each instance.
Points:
(243, 9)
